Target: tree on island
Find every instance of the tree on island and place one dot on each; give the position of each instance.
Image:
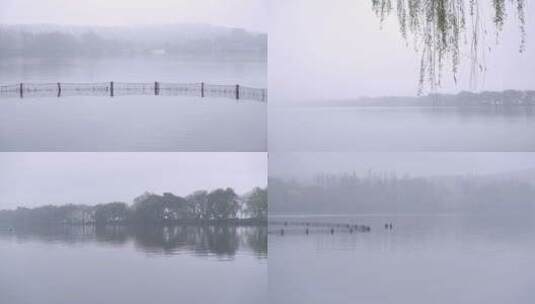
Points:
(220, 205)
(257, 203)
(115, 212)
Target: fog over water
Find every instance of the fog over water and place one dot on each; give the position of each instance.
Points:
(249, 14)
(357, 129)
(136, 123)
(444, 227)
(330, 53)
(373, 203)
(402, 183)
(304, 165)
(423, 259)
(133, 69)
(218, 260)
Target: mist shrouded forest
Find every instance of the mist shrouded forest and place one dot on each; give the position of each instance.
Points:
(217, 206)
(390, 194)
(177, 40)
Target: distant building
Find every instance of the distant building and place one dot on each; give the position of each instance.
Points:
(158, 52)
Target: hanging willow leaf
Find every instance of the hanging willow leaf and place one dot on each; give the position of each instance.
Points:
(440, 27)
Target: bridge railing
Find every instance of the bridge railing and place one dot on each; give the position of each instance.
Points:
(112, 89)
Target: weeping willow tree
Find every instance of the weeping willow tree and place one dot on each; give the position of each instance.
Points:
(440, 28)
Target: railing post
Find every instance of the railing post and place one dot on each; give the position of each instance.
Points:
(111, 89)
(237, 91)
(59, 90)
(202, 89)
(156, 88)
(21, 89)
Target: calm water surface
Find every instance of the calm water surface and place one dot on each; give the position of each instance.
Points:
(175, 264)
(401, 129)
(132, 123)
(423, 259)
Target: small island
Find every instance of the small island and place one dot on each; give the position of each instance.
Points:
(220, 206)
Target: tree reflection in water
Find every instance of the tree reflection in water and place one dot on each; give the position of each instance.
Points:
(222, 241)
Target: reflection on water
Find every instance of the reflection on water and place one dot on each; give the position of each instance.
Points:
(401, 129)
(223, 241)
(423, 259)
(134, 265)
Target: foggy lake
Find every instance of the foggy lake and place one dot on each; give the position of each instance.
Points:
(423, 259)
(401, 129)
(133, 123)
(113, 264)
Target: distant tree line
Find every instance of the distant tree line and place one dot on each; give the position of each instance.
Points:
(465, 98)
(461, 99)
(63, 42)
(58, 44)
(378, 193)
(217, 206)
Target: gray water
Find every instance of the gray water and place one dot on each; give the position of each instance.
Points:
(132, 123)
(401, 129)
(423, 259)
(175, 264)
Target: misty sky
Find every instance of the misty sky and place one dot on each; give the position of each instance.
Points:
(33, 179)
(336, 50)
(249, 14)
(306, 165)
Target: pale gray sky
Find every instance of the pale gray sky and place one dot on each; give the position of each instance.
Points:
(32, 179)
(299, 165)
(336, 49)
(249, 14)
